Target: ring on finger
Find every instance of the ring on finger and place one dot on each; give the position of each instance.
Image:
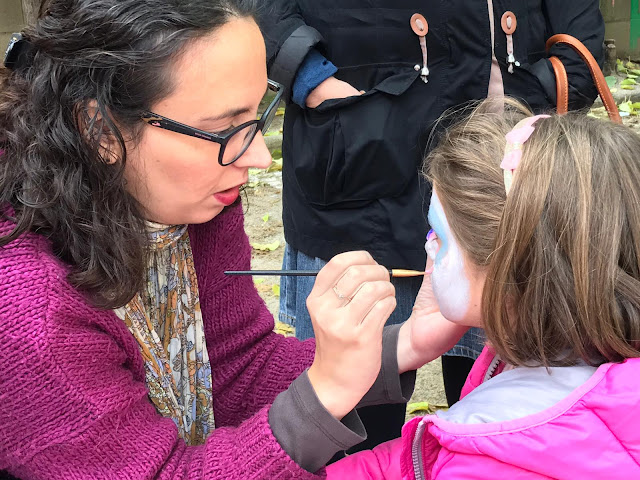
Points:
(338, 294)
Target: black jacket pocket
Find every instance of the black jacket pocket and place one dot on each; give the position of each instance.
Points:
(354, 150)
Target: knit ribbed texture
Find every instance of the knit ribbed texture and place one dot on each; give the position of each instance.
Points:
(73, 403)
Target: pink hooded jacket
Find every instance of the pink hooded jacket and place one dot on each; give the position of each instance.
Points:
(593, 432)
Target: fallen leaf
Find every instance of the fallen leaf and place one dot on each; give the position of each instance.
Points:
(265, 218)
(628, 87)
(424, 407)
(284, 329)
(280, 112)
(266, 247)
(276, 154)
(628, 81)
(276, 290)
(625, 107)
(611, 81)
(276, 166)
(258, 281)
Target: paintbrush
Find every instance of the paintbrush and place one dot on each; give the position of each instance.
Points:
(394, 272)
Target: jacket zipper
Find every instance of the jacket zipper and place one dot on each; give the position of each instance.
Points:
(416, 451)
(493, 366)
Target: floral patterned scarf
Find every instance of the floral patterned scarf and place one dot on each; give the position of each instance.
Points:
(166, 320)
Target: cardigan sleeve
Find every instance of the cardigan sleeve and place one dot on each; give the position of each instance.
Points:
(74, 399)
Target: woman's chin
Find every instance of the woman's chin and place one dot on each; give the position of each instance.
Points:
(205, 216)
(195, 215)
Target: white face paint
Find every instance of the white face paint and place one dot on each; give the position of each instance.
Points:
(449, 279)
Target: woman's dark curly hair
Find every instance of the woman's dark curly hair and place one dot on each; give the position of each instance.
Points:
(91, 60)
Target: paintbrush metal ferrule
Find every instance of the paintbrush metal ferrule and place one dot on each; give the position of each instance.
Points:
(394, 272)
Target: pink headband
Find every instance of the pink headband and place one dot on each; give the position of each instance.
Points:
(516, 139)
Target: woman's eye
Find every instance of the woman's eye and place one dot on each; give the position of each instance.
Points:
(225, 131)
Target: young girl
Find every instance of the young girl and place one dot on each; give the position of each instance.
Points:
(536, 238)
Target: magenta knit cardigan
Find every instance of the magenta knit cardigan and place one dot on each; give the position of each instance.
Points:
(73, 401)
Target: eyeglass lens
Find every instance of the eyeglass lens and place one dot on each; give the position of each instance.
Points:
(241, 140)
(239, 143)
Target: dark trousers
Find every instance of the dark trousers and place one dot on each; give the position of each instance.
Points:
(455, 371)
(382, 422)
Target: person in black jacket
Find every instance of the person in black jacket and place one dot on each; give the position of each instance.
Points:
(365, 83)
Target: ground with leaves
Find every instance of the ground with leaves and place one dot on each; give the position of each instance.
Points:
(263, 220)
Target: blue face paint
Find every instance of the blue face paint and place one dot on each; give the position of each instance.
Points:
(439, 225)
(448, 277)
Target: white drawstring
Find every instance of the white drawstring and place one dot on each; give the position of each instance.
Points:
(421, 28)
(509, 25)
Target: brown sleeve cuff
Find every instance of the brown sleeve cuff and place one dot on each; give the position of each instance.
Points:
(307, 431)
(390, 387)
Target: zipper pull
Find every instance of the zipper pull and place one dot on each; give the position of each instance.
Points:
(509, 25)
(420, 27)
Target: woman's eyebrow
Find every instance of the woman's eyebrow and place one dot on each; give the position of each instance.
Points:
(228, 114)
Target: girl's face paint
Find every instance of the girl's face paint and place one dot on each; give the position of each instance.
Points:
(432, 247)
(457, 297)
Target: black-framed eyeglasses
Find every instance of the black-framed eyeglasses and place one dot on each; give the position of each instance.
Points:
(233, 143)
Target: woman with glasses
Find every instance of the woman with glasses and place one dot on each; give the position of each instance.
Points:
(127, 129)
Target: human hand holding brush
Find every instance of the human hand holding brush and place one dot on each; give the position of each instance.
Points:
(349, 305)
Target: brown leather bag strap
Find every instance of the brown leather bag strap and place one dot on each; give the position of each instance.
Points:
(562, 85)
(596, 74)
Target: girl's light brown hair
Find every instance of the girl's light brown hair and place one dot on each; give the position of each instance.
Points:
(562, 250)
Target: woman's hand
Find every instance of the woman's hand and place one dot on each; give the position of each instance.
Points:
(427, 334)
(329, 89)
(349, 305)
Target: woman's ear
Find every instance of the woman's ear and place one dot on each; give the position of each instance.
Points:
(96, 131)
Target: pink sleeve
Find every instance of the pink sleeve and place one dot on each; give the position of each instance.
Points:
(381, 463)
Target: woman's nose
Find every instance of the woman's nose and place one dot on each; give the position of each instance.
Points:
(257, 155)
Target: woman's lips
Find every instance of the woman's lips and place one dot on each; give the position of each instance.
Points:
(227, 197)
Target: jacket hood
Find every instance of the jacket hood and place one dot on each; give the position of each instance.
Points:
(593, 433)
